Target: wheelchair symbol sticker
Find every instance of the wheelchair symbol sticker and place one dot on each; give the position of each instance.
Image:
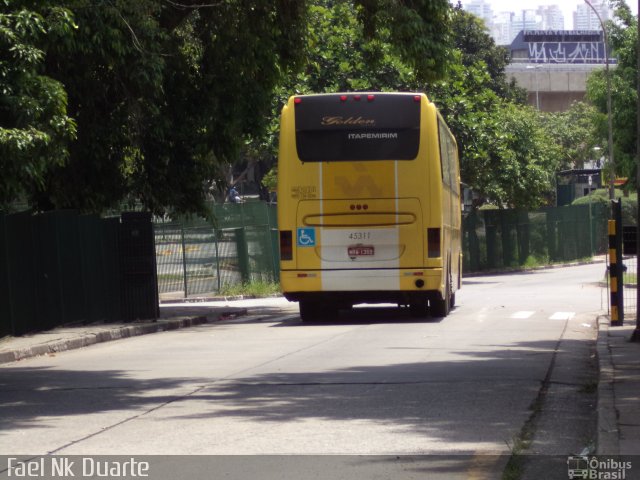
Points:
(306, 237)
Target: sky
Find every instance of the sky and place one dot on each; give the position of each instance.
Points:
(567, 6)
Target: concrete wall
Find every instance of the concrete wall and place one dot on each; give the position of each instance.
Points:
(552, 87)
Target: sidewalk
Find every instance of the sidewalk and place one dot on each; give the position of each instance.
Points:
(618, 390)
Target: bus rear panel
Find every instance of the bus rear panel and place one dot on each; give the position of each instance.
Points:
(367, 210)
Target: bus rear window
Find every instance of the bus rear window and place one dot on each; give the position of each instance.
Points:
(332, 128)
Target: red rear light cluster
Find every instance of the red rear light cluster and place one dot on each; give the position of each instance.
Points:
(286, 245)
(433, 242)
(357, 98)
(359, 207)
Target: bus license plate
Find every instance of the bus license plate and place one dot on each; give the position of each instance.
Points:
(361, 251)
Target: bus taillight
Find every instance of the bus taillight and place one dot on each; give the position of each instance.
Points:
(433, 242)
(286, 245)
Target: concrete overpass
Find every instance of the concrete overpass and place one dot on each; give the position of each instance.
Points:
(552, 87)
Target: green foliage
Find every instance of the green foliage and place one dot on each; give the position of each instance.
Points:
(504, 154)
(165, 95)
(270, 180)
(418, 32)
(254, 289)
(474, 97)
(601, 196)
(150, 101)
(575, 132)
(341, 58)
(342, 54)
(34, 126)
(623, 39)
(477, 47)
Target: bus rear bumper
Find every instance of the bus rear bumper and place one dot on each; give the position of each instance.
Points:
(402, 286)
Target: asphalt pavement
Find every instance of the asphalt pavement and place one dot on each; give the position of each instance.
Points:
(618, 358)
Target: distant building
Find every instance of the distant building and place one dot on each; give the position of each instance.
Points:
(502, 31)
(504, 27)
(577, 183)
(525, 20)
(558, 46)
(551, 17)
(553, 65)
(584, 17)
(482, 9)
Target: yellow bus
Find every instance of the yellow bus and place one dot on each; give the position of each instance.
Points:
(368, 204)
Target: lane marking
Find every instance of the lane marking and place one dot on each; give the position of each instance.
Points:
(522, 315)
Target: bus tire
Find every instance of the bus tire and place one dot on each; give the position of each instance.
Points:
(309, 311)
(440, 307)
(419, 309)
(314, 311)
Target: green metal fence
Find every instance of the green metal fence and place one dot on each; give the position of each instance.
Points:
(198, 258)
(497, 239)
(61, 267)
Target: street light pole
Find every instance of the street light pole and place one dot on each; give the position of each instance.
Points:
(535, 73)
(609, 119)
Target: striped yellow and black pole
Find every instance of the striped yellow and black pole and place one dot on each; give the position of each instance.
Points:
(616, 269)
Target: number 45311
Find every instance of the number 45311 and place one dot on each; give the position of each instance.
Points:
(360, 236)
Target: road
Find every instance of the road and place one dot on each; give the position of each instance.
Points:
(513, 362)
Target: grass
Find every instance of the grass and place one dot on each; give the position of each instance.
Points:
(630, 278)
(255, 289)
(533, 261)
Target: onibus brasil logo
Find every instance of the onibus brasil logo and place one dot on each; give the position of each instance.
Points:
(586, 467)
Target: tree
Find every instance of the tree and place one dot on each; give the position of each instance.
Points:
(34, 125)
(474, 97)
(472, 40)
(528, 161)
(575, 133)
(623, 41)
(165, 93)
(342, 55)
(505, 157)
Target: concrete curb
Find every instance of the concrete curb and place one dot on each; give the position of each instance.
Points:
(109, 334)
(608, 441)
